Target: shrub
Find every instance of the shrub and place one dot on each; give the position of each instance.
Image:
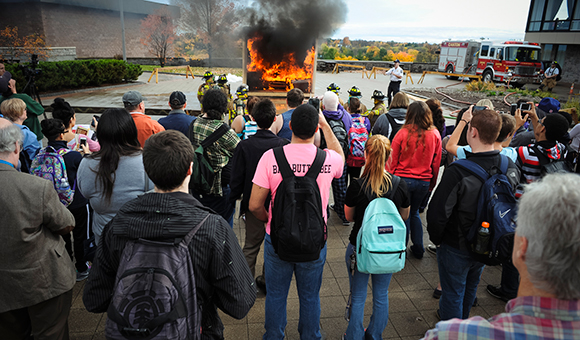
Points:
(72, 74)
(480, 86)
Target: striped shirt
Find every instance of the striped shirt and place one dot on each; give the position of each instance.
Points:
(526, 317)
(529, 163)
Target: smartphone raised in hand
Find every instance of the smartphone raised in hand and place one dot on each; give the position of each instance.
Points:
(525, 106)
(479, 108)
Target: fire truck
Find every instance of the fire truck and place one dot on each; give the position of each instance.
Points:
(515, 61)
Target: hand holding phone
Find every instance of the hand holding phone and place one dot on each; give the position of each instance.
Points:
(525, 106)
(479, 108)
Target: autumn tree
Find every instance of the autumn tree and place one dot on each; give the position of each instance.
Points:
(22, 46)
(158, 33)
(212, 20)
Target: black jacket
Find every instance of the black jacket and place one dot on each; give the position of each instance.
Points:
(246, 158)
(223, 278)
(453, 206)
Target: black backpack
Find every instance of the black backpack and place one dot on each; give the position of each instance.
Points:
(203, 173)
(339, 130)
(395, 127)
(297, 229)
(553, 166)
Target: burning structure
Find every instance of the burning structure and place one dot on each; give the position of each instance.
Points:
(280, 43)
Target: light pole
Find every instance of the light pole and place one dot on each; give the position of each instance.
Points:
(123, 29)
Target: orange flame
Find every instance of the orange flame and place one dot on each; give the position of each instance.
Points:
(286, 71)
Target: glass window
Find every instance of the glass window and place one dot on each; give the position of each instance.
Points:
(492, 53)
(552, 8)
(499, 53)
(575, 26)
(561, 54)
(547, 52)
(577, 10)
(537, 10)
(484, 50)
(523, 54)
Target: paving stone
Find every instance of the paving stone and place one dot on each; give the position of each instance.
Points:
(411, 282)
(82, 321)
(239, 332)
(333, 327)
(409, 323)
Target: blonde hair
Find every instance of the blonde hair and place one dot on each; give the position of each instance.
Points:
(12, 108)
(377, 151)
(485, 102)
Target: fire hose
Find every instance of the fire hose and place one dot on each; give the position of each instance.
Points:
(448, 96)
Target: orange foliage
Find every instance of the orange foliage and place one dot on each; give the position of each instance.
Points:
(30, 44)
(404, 56)
(159, 32)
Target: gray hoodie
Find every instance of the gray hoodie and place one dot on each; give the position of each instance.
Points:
(383, 126)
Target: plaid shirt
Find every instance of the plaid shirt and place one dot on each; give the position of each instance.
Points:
(526, 317)
(220, 152)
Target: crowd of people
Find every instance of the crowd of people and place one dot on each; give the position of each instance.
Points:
(156, 200)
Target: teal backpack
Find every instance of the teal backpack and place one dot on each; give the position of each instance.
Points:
(381, 240)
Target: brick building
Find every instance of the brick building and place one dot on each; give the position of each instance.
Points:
(555, 24)
(92, 26)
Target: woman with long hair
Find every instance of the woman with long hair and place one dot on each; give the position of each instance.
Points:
(63, 111)
(416, 157)
(115, 174)
(437, 113)
(377, 182)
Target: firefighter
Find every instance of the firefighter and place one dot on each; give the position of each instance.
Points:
(354, 92)
(241, 99)
(550, 77)
(333, 87)
(208, 84)
(379, 107)
(222, 84)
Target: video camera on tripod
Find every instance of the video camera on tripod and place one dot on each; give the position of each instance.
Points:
(31, 71)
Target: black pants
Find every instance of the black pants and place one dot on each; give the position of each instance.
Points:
(46, 320)
(394, 87)
(76, 249)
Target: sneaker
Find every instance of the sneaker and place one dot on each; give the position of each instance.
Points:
(437, 293)
(432, 249)
(332, 208)
(345, 223)
(261, 283)
(496, 292)
(82, 275)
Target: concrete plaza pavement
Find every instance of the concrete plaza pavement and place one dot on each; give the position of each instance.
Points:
(411, 305)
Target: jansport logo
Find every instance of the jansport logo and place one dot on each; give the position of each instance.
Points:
(387, 229)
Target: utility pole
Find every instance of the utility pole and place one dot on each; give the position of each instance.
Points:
(123, 29)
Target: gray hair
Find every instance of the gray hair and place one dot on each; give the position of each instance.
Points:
(549, 218)
(8, 138)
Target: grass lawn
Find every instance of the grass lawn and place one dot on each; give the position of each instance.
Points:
(198, 71)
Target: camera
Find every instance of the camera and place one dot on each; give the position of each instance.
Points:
(32, 70)
(525, 107)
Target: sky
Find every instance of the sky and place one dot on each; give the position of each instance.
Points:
(432, 20)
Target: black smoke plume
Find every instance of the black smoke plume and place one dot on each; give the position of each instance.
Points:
(292, 26)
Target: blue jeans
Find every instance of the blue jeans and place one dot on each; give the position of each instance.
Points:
(358, 288)
(308, 281)
(459, 275)
(417, 190)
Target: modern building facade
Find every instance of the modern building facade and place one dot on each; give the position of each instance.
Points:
(92, 26)
(555, 24)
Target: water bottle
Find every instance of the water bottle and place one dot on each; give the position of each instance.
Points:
(482, 242)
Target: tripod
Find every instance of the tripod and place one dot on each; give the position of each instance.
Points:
(32, 90)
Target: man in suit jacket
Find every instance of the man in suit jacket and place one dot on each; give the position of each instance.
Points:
(36, 274)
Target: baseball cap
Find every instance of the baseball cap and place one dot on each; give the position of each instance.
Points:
(133, 98)
(177, 98)
(549, 105)
(398, 61)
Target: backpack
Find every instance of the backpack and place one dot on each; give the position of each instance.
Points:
(49, 164)
(553, 166)
(203, 173)
(339, 130)
(497, 206)
(358, 136)
(155, 294)
(298, 229)
(381, 240)
(395, 127)
(250, 127)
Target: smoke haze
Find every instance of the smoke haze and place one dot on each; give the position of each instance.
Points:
(288, 26)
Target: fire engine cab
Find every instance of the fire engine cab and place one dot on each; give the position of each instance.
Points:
(515, 61)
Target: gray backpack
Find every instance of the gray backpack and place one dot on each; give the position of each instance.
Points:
(155, 292)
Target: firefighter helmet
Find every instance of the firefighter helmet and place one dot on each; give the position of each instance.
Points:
(207, 75)
(333, 87)
(242, 90)
(354, 92)
(378, 95)
(222, 79)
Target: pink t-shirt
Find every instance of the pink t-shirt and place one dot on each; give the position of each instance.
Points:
(300, 157)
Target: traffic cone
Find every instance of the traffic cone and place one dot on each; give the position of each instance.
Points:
(572, 89)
